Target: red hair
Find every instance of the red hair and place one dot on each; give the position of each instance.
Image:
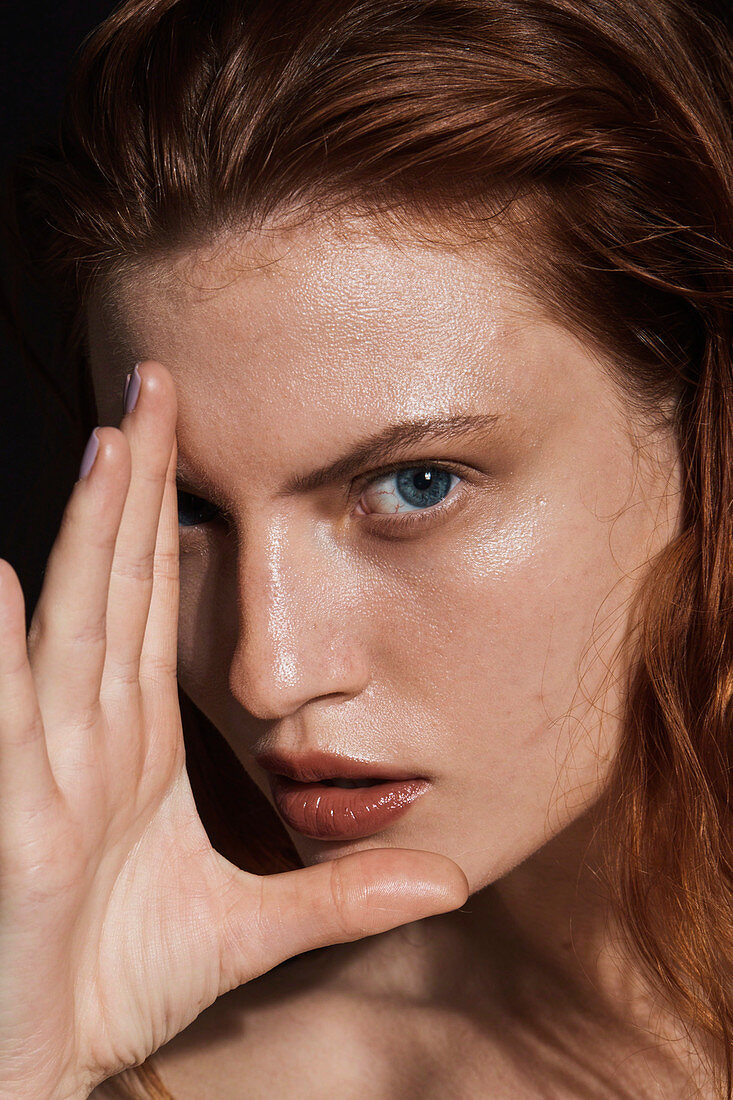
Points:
(604, 126)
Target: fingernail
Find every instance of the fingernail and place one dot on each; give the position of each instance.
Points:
(132, 391)
(90, 453)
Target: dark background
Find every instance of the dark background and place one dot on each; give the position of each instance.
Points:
(40, 444)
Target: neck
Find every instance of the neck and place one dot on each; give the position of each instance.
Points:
(537, 953)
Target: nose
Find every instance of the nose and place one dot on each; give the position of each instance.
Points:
(298, 636)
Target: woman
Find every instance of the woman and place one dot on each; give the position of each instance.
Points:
(422, 311)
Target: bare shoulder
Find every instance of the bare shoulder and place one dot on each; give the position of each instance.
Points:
(285, 1033)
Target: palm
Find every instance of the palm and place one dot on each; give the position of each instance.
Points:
(118, 921)
(157, 957)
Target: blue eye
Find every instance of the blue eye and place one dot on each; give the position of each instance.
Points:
(193, 510)
(408, 490)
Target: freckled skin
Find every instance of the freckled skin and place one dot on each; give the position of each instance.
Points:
(479, 650)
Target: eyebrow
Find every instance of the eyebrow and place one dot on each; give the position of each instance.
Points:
(380, 447)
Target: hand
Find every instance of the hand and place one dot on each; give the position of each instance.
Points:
(119, 923)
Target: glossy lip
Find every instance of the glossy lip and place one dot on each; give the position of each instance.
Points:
(337, 813)
(312, 808)
(312, 766)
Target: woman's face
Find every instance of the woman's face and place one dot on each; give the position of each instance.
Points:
(455, 620)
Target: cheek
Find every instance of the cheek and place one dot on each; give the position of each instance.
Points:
(503, 666)
(488, 656)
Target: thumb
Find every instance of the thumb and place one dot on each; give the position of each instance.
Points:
(345, 899)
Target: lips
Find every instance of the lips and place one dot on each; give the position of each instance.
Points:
(327, 812)
(330, 797)
(314, 766)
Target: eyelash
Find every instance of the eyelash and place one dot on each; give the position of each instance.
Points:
(404, 522)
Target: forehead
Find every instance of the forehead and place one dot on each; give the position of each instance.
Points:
(330, 321)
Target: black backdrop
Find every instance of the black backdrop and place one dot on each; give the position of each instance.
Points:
(40, 446)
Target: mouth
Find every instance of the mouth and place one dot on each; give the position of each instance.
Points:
(335, 797)
(316, 766)
(342, 808)
(350, 783)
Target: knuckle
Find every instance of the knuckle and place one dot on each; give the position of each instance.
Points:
(342, 890)
(99, 536)
(20, 729)
(89, 634)
(84, 722)
(266, 918)
(14, 664)
(153, 669)
(261, 910)
(153, 477)
(166, 565)
(138, 568)
(50, 622)
(122, 675)
(272, 909)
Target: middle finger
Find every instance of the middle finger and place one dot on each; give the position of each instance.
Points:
(150, 428)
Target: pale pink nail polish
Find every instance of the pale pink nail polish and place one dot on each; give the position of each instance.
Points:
(90, 453)
(132, 391)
